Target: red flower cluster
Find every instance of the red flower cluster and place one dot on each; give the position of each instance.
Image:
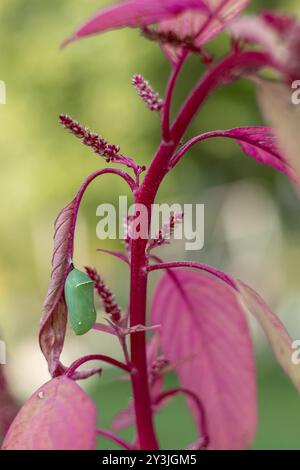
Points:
(146, 92)
(109, 303)
(96, 142)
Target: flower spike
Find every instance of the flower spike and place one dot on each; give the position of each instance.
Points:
(96, 142)
(162, 237)
(146, 92)
(109, 303)
(110, 152)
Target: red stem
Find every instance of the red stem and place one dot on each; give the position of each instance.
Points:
(138, 292)
(169, 94)
(228, 134)
(191, 264)
(95, 357)
(104, 328)
(104, 171)
(113, 437)
(146, 195)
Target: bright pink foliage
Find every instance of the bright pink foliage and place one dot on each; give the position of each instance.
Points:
(59, 416)
(197, 28)
(205, 337)
(278, 35)
(135, 13)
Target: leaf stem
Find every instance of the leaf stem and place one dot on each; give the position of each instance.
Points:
(95, 357)
(230, 67)
(191, 264)
(113, 437)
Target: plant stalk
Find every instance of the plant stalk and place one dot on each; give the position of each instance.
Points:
(146, 195)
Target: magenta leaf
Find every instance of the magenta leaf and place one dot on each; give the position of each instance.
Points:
(255, 30)
(208, 344)
(59, 416)
(277, 335)
(280, 22)
(54, 317)
(124, 418)
(197, 28)
(278, 35)
(259, 143)
(134, 13)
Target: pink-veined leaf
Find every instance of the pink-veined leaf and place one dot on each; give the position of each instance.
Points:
(278, 337)
(288, 27)
(59, 416)
(253, 29)
(275, 100)
(259, 143)
(200, 27)
(54, 317)
(134, 13)
(278, 35)
(208, 344)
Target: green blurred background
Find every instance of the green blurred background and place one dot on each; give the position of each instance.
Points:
(252, 214)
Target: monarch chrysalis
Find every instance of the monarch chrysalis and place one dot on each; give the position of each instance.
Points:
(79, 294)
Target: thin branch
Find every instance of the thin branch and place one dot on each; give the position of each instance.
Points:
(229, 134)
(190, 264)
(104, 171)
(186, 147)
(115, 438)
(116, 254)
(104, 328)
(166, 111)
(95, 357)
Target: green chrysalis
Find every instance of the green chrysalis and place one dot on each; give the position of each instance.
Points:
(79, 294)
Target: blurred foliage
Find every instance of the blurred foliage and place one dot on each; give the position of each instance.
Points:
(42, 166)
